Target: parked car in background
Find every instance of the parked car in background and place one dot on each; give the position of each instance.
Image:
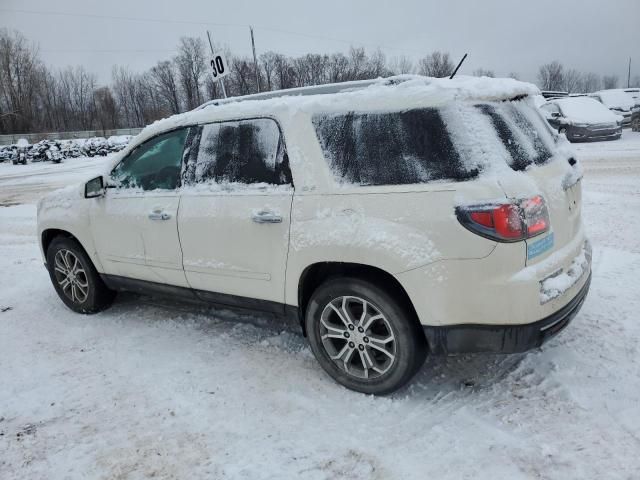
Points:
(635, 119)
(633, 93)
(368, 212)
(618, 101)
(582, 119)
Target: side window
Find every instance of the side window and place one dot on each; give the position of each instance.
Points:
(155, 164)
(246, 151)
(396, 148)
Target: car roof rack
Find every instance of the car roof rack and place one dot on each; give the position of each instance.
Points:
(325, 89)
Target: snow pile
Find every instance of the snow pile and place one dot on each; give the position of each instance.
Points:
(74, 148)
(586, 110)
(555, 286)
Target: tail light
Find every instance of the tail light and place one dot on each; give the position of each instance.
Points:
(507, 222)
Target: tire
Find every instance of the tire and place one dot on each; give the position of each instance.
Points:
(386, 318)
(635, 126)
(87, 293)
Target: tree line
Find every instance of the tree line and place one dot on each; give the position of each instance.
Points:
(554, 76)
(35, 98)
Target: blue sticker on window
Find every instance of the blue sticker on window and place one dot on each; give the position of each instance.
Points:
(540, 246)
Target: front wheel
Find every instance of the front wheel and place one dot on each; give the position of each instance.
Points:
(74, 277)
(363, 337)
(635, 126)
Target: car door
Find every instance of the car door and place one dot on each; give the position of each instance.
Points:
(234, 214)
(134, 224)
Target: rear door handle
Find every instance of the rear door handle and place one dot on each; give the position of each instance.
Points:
(157, 215)
(266, 216)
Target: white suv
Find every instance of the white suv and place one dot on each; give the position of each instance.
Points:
(390, 218)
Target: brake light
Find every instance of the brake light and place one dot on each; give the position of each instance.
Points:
(507, 222)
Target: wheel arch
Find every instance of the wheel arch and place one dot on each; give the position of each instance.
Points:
(49, 234)
(317, 273)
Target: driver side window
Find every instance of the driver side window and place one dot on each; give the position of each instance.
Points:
(153, 165)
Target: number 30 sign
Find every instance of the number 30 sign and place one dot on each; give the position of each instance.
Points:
(219, 66)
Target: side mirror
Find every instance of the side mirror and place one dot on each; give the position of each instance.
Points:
(555, 115)
(94, 188)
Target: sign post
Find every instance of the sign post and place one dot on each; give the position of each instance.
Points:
(219, 66)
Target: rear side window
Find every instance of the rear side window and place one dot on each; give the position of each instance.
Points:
(246, 151)
(390, 148)
(516, 130)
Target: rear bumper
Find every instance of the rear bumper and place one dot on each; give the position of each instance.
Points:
(503, 338)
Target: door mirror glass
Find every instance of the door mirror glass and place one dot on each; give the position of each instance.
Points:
(555, 115)
(94, 188)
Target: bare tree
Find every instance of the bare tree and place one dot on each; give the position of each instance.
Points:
(610, 81)
(268, 62)
(164, 79)
(481, 72)
(338, 67)
(191, 65)
(514, 75)
(106, 108)
(19, 68)
(572, 79)
(436, 64)
(401, 65)
(551, 76)
(589, 82)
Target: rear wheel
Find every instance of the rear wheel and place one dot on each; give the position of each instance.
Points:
(74, 277)
(363, 337)
(635, 126)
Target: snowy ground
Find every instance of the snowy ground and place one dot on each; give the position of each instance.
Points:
(154, 390)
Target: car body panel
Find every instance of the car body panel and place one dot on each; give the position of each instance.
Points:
(226, 251)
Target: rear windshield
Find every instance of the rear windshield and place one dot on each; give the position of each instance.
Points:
(518, 133)
(452, 143)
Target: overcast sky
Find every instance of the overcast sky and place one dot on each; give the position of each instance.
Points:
(501, 35)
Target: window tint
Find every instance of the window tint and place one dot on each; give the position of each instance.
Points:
(520, 131)
(390, 148)
(155, 164)
(247, 151)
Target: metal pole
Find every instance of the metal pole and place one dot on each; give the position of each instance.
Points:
(629, 74)
(224, 92)
(255, 60)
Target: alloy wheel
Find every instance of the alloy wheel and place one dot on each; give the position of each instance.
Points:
(357, 337)
(71, 276)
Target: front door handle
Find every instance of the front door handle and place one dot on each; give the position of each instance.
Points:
(266, 216)
(159, 215)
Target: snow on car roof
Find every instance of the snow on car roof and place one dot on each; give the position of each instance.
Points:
(616, 98)
(384, 94)
(585, 110)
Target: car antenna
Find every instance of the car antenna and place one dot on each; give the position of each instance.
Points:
(456, 70)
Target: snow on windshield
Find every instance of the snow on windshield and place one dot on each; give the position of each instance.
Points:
(586, 110)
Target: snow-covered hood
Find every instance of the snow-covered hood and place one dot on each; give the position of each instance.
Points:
(62, 198)
(616, 99)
